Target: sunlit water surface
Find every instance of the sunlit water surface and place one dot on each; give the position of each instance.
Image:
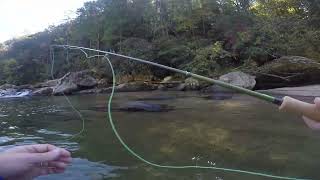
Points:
(242, 133)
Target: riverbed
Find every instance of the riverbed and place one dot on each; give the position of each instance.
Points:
(241, 133)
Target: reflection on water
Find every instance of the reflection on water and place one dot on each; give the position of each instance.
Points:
(241, 132)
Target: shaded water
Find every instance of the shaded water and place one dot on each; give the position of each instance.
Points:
(241, 132)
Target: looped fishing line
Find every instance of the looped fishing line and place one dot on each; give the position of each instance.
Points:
(141, 158)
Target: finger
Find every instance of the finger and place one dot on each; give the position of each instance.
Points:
(317, 102)
(65, 153)
(311, 124)
(42, 164)
(56, 164)
(42, 157)
(40, 148)
(36, 148)
(59, 170)
(67, 160)
(35, 172)
(49, 170)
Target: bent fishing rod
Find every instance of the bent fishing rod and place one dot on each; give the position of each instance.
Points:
(286, 104)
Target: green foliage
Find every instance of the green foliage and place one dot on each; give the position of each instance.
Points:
(135, 47)
(173, 52)
(211, 60)
(14, 72)
(8, 70)
(204, 36)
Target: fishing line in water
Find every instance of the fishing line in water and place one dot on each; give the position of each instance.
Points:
(64, 95)
(135, 154)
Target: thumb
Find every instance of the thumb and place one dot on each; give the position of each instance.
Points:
(311, 124)
(44, 157)
(317, 102)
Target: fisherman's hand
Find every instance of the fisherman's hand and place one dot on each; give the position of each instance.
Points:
(28, 162)
(311, 123)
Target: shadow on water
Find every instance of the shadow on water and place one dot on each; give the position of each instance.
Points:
(241, 132)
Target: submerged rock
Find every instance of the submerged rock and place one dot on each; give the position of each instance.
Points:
(144, 106)
(94, 91)
(157, 98)
(218, 93)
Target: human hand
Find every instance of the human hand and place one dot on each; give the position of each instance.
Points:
(311, 123)
(28, 162)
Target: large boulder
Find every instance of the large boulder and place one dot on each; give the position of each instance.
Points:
(8, 86)
(240, 79)
(46, 91)
(25, 86)
(74, 81)
(237, 78)
(49, 83)
(288, 71)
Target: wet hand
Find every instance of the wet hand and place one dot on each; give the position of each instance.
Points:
(28, 162)
(311, 123)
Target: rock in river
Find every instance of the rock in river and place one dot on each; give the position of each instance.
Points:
(240, 79)
(74, 81)
(144, 106)
(288, 71)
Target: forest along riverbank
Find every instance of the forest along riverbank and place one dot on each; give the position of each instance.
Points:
(286, 71)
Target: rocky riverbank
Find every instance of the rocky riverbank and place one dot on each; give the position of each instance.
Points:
(283, 72)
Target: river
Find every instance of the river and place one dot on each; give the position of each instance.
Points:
(242, 133)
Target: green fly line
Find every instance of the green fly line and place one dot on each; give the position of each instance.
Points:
(140, 157)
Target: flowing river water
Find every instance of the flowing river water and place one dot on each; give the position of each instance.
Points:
(242, 133)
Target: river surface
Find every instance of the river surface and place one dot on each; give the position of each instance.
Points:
(242, 133)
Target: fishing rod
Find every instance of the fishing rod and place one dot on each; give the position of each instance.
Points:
(286, 104)
(154, 164)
